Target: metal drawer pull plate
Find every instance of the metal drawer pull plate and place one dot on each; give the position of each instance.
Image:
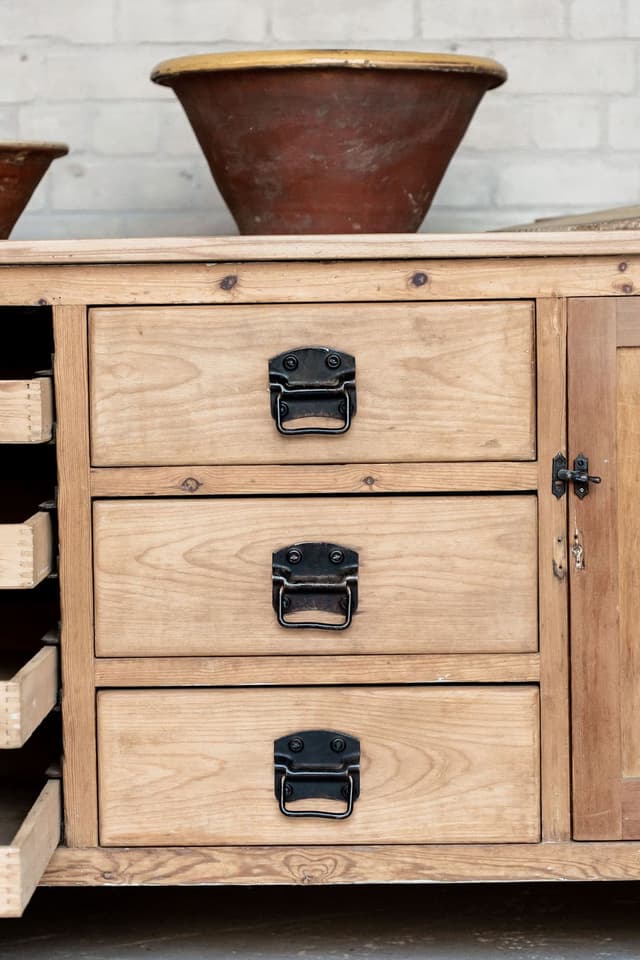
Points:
(317, 764)
(315, 576)
(312, 382)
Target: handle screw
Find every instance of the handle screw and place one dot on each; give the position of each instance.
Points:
(290, 362)
(336, 556)
(284, 408)
(333, 361)
(338, 744)
(294, 556)
(286, 603)
(288, 790)
(296, 744)
(345, 791)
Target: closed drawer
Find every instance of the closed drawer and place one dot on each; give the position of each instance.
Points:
(437, 765)
(30, 826)
(26, 552)
(435, 381)
(435, 574)
(26, 410)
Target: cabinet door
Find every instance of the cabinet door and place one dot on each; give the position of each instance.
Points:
(604, 535)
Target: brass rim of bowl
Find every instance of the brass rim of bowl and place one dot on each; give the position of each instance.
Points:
(351, 59)
(34, 146)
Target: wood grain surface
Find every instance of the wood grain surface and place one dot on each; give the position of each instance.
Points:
(329, 864)
(76, 586)
(631, 809)
(434, 382)
(594, 585)
(232, 282)
(553, 572)
(436, 575)
(198, 480)
(315, 671)
(27, 695)
(194, 249)
(26, 552)
(628, 462)
(26, 410)
(28, 837)
(196, 766)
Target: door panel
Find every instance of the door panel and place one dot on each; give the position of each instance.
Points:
(604, 531)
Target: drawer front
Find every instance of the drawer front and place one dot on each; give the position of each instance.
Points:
(435, 381)
(29, 833)
(437, 765)
(436, 574)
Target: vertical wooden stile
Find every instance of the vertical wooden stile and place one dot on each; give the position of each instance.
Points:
(593, 525)
(551, 326)
(76, 590)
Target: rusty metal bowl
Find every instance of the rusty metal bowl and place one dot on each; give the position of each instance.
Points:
(22, 166)
(329, 141)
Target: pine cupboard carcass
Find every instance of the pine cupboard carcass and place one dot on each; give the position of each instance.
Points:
(334, 544)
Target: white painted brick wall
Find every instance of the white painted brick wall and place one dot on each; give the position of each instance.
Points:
(562, 135)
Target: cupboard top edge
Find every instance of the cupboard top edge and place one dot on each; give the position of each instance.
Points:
(330, 247)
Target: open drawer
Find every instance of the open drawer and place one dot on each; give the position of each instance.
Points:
(26, 552)
(26, 410)
(29, 834)
(28, 693)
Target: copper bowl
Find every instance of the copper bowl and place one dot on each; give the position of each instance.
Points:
(329, 141)
(22, 167)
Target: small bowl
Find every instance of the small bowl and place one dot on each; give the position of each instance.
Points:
(329, 141)
(22, 167)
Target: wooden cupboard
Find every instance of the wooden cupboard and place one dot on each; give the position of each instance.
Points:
(401, 644)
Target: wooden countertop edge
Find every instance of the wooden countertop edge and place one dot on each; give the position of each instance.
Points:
(364, 247)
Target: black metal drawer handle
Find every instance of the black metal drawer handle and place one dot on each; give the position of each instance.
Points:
(312, 382)
(317, 764)
(315, 576)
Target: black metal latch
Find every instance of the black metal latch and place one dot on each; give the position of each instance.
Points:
(315, 576)
(317, 764)
(579, 475)
(312, 383)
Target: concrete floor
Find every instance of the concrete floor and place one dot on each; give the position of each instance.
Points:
(528, 921)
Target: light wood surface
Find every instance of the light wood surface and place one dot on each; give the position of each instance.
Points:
(553, 572)
(196, 767)
(309, 866)
(437, 575)
(627, 325)
(628, 462)
(593, 526)
(198, 480)
(309, 671)
(321, 282)
(28, 837)
(631, 809)
(434, 382)
(76, 587)
(368, 246)
(28, 693)
(26, 410)
(26, 552)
